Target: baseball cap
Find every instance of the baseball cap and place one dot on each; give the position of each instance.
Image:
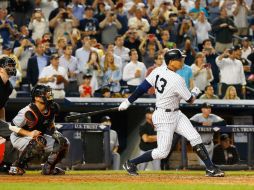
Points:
(105, 118)
(149, 110)
(206, 105)
(89, 8)
(245, 38)
(235, 48)
(6, 47)
(87, 75)
(173, 54)
(224, 137)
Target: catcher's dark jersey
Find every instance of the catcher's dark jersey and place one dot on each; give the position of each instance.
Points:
(5, 91)
(30, 118)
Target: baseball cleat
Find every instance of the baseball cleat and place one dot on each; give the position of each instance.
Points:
(130, 168)
(14, 170)
(214, 172)
(58, 171)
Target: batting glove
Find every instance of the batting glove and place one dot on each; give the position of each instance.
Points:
(124, 105)
(195, 91)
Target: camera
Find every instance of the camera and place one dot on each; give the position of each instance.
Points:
(65, 15)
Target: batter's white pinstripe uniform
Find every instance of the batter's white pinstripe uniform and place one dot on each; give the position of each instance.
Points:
(170, 88)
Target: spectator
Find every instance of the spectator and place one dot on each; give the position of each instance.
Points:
(247, 49)
(224, 153)
(189, 51)
(209, 93)
(38, 25)
(85, 89)
(89, 25)
(23, 53)
(70, 63)
(207, 119)
(148, 139)
(194, 12)
(231, 94)
(187, 5)
(134, 71)
(203, 27)
(78, 9)
(36, 64)
(60, 45)
(121, 51)
(105, 92)
(240, 14)
(112, 74)
(63, 23)
(93, 66)
(186, 73)
(132, 41)
(101, 11)
(54, 76)
(24, 33)
(213, 9)
(187, 30)
(114, 143)
(46, 7)
(154, 27)
(140, 24)
(202, 73)
(148, 48)
(82, 54)
(231, 71)
(210, 56)
(227, 5)
(75, 39)
(6, 27)
(109, 26)
(122, 16)
(163, 10)
(165, 40)
(224, 28)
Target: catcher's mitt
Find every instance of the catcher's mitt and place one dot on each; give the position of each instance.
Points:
(59, 79)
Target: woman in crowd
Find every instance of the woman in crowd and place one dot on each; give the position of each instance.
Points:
(231, 94)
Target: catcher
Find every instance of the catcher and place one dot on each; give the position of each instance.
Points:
(34, 133)
(54, 76)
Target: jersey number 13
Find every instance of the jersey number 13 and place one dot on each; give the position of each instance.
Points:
(161, 86)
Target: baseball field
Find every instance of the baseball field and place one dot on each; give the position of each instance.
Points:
(108, 180)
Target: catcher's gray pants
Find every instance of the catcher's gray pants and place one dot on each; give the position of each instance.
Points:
(20, 142)
(156, 163)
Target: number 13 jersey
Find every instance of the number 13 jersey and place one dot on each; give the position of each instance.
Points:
(169, 86)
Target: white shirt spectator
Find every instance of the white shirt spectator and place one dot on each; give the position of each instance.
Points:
(47, 6)
(246, 52)
(231, 71)
(187, 4)
(117, 61)
(123, 53)
(136, 23)
(129, 73)
(240, 20)
(202, 29)
(38, 28)
(50, 71)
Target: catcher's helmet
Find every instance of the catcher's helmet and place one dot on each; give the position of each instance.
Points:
(43, 91)
(9, 65)
(173, 54)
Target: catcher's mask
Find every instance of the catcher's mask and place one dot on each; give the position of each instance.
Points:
(9, 65)
(45, 92)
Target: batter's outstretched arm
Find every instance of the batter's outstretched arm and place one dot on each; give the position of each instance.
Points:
(140, 90)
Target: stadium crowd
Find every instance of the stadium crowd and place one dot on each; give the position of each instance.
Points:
(105, 48)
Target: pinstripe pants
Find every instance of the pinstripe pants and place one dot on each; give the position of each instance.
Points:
(166, 123)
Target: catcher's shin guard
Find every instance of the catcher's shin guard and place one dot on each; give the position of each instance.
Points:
(35, 147)
(58, 153)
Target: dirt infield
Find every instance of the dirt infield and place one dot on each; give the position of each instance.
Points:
(124, 178)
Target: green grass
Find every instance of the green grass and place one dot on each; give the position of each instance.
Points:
(209, 184)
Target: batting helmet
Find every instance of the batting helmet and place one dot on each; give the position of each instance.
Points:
(9, 65)
(43, 91)
(173, 54)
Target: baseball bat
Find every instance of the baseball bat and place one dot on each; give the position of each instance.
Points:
(78, 116)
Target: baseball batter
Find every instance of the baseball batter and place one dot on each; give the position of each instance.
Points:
(170, 88)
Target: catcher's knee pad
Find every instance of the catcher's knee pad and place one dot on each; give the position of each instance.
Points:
(62, 143)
